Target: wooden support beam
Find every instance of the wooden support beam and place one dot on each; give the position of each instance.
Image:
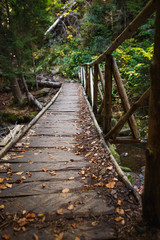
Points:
(117, 128)
(87, 80)
(95, 89)
(108, 95)
(124, 98)
(125, 140)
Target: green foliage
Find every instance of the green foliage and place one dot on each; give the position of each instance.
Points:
(134, 63)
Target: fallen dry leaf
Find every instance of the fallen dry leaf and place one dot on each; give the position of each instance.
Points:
(1, 180)
(77, 238)
(118, 219)
(119, 211)
(60, 211)
(31, 215)
(65, 190)
(53, 173)
(119, 202)
(95, 223)
(19, 173)
(70, 207)
(40, 214)
(110, 184)
(17, 229)
(71, 178)
(74, 225)
(23, 177)
(1, 206)
(36, 154)
(3, 186)
(59, 236)
(8, 185)
(44, 185)
(35, 236)
(6, 236)
(88, 154)
(44, 169)
(109, 168)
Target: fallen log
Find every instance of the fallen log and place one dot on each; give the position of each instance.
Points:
(30, 97)
(49, 84)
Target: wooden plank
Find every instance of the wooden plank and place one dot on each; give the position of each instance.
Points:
(117, 128)
(95, 88)
(108, 95)
(124, 98)
(125, 140)
(140, 19)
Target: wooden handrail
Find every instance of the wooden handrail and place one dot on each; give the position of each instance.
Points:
(147, 11)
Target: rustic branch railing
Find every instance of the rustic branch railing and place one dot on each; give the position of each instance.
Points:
(98, 85)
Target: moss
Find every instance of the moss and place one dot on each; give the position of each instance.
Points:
(112, 148)
(13, 118)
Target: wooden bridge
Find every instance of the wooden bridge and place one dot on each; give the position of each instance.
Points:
(47, 189)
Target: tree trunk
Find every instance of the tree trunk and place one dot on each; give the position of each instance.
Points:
(151, 195)
(16, 91)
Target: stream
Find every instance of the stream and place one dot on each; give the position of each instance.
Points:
(133, 157)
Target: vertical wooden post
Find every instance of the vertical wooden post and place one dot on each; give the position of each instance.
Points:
(86, 89)
(89, 86)
(107, 95)
(151, 195)
(95, 88)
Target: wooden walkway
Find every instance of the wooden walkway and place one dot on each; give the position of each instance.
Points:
(40, 175)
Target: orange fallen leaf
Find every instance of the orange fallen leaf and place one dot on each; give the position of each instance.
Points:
(65, 190)
(111, 185)
(60, 211)
(53, 173)
(6, 236)
(1, 206)
(119, 211)
(40, 214)
(70, 207)
(19, 173)
(36, 154)
(122, 222)
(109, 168)
(88, 154)
(17, 229)
(119, 202)
(31, 215)
(23, 177)
(35, 236)
(3, 186)
(19, 156)
(8, 185)
(118, 219)
(95, 223)
(77, 238)
(70, 178)
(44, 185)
(59, 237)
(74, 225)
(67, 142)
(1, 180)
(44, 169)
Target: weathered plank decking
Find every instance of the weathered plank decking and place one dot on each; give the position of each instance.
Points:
(44, 151)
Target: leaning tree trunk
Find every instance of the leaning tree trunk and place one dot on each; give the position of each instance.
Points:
(16, 91)
(151, 196)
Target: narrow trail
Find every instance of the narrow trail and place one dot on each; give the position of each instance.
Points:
(43, 182)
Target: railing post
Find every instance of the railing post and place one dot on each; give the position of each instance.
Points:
(86, 89)
(89, 85)
(107, 95)
(95, 88)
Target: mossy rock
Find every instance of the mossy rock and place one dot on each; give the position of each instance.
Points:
(42, 92)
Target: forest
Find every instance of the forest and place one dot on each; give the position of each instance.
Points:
(45, 42)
